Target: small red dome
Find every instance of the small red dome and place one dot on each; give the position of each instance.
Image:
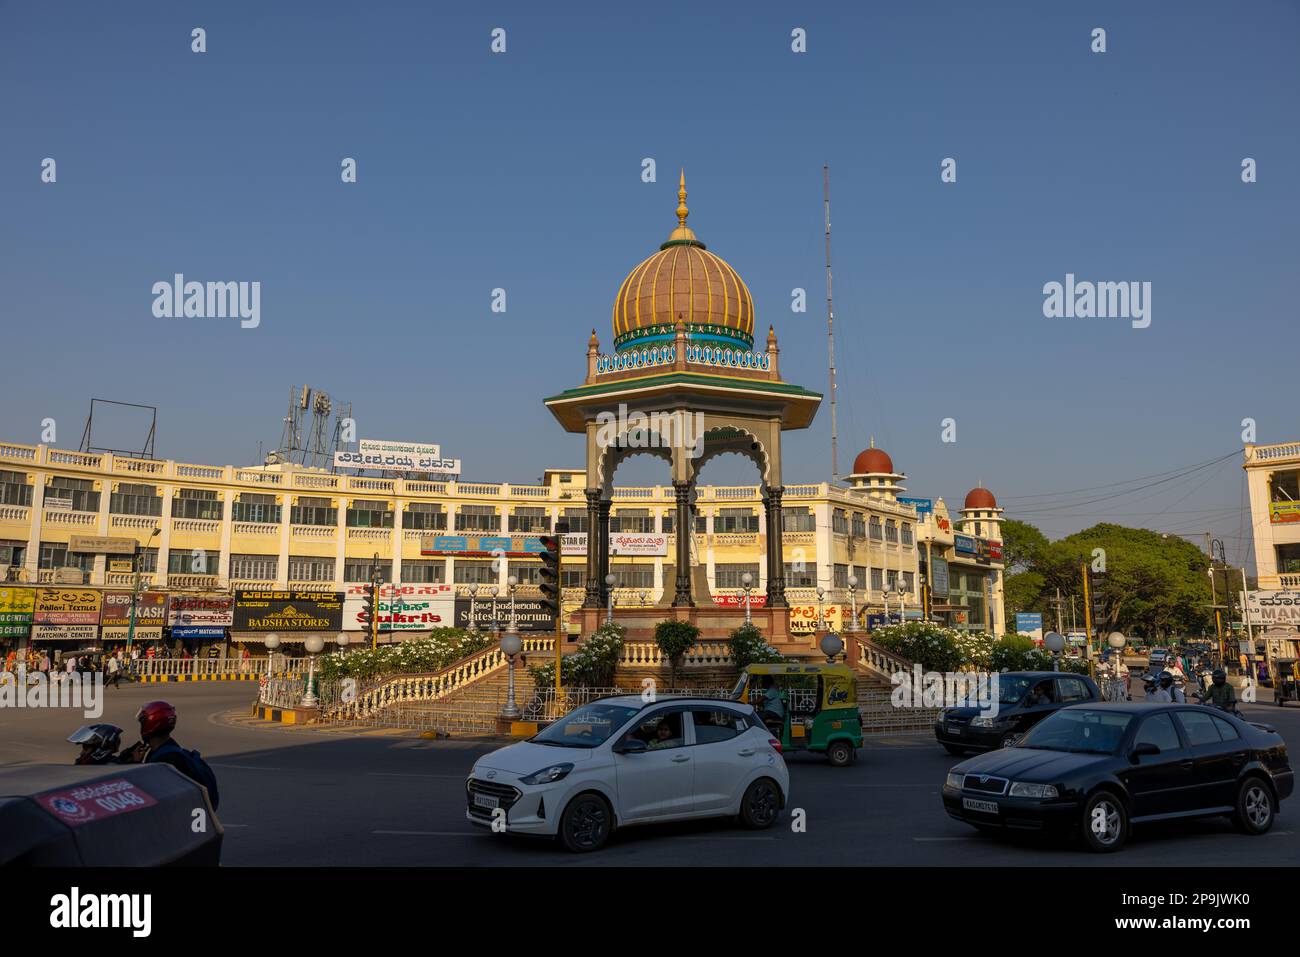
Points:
(980, 498)
(873, 460)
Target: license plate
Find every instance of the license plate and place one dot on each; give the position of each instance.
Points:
(988, 807)
(952, 730)
(486, 800)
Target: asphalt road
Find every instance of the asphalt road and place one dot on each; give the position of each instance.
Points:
(303, 797)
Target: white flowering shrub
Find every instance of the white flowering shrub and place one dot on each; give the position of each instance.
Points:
(937, 647)
(439, 649)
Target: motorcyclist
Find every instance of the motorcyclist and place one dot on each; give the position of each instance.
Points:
(156, 746)
(1176, 694)
(1152, 692)
(99, 743)
(1220, 693)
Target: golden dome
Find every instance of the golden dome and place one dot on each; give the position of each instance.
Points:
(683, 281)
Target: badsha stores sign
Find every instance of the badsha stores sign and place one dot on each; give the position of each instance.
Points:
(293, 612)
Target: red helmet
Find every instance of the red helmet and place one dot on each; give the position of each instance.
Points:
(156, 717)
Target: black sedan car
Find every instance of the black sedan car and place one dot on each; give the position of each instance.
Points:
(1024, 699)
(1096, 770)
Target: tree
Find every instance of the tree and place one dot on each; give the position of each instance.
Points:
(1153, 586)
(674, 639)
(1022, 545)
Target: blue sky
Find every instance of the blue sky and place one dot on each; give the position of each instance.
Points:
(522, 171)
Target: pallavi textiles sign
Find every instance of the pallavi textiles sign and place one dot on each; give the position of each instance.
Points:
(289, 611)
(67, 606)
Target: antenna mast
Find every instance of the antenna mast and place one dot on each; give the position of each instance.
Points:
(830, 323)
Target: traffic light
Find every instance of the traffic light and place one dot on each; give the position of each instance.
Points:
(550, 574)
(368, 605)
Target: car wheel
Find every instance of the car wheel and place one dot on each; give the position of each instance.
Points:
(760, 805)
(586, 823)
(1105, 823)
(1009, 740)
(840, 754)
(1255, 810)
(954, 750)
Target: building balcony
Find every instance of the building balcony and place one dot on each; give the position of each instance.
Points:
(133, 523)
(193, 582)
(60, 518)
(1281, 453)
(322, 533)
(15, 514)
(127, 579)
(256, 528)
(196, 525)
(370, 535)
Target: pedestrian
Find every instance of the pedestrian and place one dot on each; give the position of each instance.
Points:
(45, 664)
(112, 671)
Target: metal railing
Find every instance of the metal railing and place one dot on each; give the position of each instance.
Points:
(280, 664)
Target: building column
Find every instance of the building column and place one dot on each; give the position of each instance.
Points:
(286, 531)
(399, 541)
(603, 548)
(591, 597)
(682, 525)
(165, 536)
(340, 551)
(32, 560)
(775, 550)
(227, 531)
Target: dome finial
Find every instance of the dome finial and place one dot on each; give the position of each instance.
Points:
(682, 211)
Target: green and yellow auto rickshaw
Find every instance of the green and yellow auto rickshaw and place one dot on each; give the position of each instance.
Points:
(819, 707)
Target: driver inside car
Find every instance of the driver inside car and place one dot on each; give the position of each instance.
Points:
(1042, 693)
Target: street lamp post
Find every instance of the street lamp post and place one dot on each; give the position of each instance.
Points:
(1054, 642)
(473, 613)
(312, 646)
(1116, 640)
(512, 583)
(511, 646)
(272, 642)
(609, 611)
(135, 588)
(831, 645)
(821, 619)
(494, 591)
(747, 580)
(853, 601)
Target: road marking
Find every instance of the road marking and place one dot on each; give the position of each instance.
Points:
(429, 833)
(246, 767)
(400, 774)
(944, 838)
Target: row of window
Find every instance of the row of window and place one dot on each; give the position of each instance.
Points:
(856, 525)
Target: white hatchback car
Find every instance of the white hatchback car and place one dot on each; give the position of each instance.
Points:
(621, 760)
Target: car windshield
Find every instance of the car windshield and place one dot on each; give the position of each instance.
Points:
(1011, 690)
(588, 727)
(1079, 730)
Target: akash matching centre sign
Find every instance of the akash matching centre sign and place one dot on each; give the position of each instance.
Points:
(115, 615)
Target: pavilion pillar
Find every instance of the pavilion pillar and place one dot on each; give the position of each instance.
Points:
(775, 549)
(682, 524)
(595, 578)
(602, 549)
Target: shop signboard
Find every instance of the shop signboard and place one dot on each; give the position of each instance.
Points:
(803, 618)
(486, 546)
(200, 616)
(965, 544)
(939, 577)
(1273, 607)
(621, 543)
(530, 615)
(923, 506)
(81, 634)
(67, 606)
(289, 611)
(1030, 623)
(150, 609)
(16, 608)
(101, 545)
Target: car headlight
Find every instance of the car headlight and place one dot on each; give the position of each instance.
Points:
(548, 775)
(1023, 789)
(955, 780)
(983, 721)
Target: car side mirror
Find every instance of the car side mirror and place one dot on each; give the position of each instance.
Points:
(1142, 750)
(630, 746)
